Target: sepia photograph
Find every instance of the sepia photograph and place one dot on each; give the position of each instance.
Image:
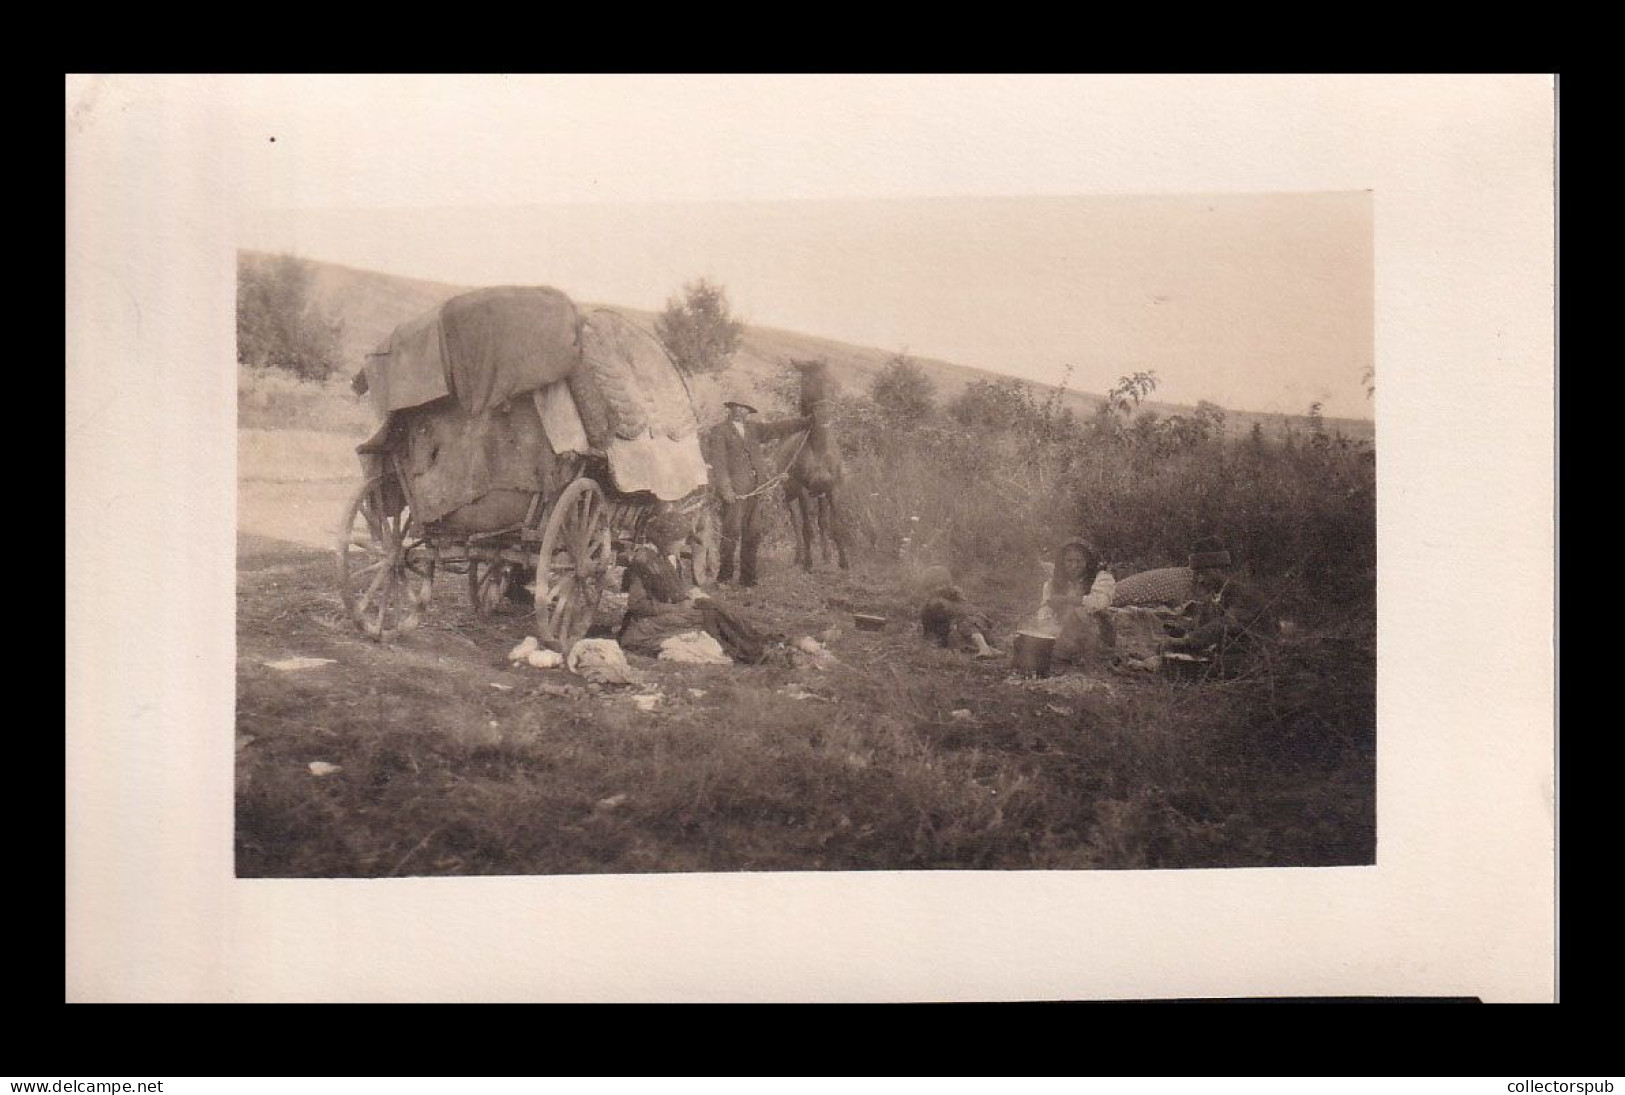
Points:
(1013, 534)
(889, 485)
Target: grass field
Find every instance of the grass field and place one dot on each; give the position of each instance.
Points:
(446, 760)
(453, 762)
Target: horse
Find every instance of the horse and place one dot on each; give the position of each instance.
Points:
(812, 469)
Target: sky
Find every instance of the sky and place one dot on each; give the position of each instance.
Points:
(1257, 303)
(1019, 224)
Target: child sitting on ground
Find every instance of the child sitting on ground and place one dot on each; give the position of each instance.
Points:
(949, 621)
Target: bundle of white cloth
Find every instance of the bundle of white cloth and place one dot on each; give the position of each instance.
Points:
(601, 661)
(694, 648)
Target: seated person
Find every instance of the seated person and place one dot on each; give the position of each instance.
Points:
(1171, 587)
(948, 620)
(1072, 606)
(1220, 610)
(662, 601)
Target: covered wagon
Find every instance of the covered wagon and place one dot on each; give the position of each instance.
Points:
(521, 438)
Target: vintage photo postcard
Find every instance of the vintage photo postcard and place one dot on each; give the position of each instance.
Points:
(644, 517)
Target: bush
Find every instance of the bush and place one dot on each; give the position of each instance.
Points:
(699, 331)
(995, 487)
(994, 405)
(903, 392)
(278, 324)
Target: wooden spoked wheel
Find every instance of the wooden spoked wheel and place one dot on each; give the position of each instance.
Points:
(493, 585)
(386, 568)
(574, 560)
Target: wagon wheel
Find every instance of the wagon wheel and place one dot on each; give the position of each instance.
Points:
(386, 568)
(571, 568)
(491, 584)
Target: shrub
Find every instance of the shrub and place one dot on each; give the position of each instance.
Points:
(699, 330)
(995, 486)
(278, 323)
(903, 393)
(994, 405)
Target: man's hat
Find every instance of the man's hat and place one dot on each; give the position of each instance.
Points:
(738, 403)
(1209, 552)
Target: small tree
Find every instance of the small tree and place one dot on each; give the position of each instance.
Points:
(903, 392)
(278, 322)
(1121, 402)
(1132, 390)
(1058, 422)
(1002, 404)
(699, 331)
(1211, 416)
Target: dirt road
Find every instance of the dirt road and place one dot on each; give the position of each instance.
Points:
(292, 485)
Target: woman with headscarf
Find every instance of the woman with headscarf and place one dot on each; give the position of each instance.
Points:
(1072, 607)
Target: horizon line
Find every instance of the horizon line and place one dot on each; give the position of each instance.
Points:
(1040, 385)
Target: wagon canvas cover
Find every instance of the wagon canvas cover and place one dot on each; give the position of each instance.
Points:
(455, 458)
(592, 384)
(627, 386)
(483, 347)
(635, 406)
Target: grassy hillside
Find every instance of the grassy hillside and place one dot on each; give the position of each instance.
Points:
(372, 304)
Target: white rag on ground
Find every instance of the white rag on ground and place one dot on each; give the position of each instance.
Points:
(544, 659)
(288, 664)
(602, 661)
(694, 648)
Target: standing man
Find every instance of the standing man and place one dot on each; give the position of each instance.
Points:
(740, 473)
